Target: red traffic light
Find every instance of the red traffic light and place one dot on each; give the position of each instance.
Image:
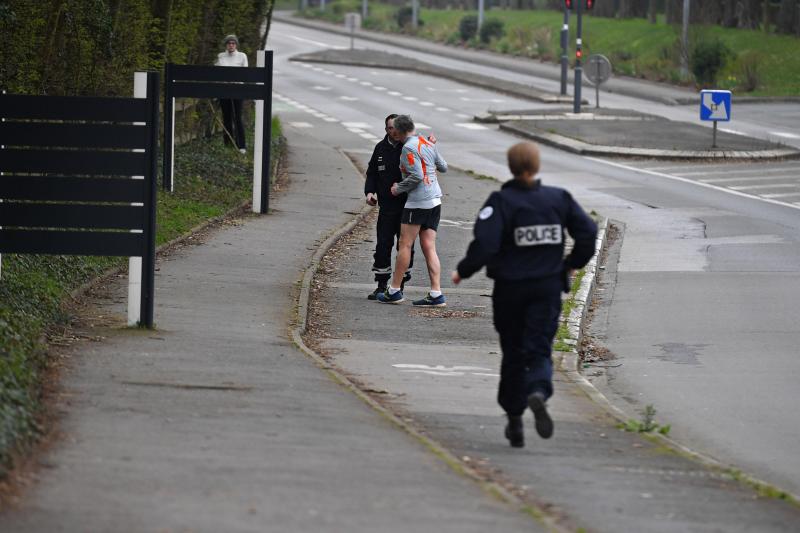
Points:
(578, 53)
(568, 4)
(589, 4)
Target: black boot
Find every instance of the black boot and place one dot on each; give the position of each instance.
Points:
(544, 424)
(514, 432)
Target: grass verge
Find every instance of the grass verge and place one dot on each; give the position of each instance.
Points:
(210, 179)
(761, 64)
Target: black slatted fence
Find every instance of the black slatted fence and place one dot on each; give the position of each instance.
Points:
(78, 177)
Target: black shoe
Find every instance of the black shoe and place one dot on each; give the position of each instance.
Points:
(406, 277)
(514, 432)
(374, 294)
(544, 424)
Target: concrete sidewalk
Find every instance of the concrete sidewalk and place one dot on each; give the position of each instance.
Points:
(438, 367)
(217, 422)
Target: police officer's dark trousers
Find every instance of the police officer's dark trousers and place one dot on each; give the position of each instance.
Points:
(388, 232)
(526, 318)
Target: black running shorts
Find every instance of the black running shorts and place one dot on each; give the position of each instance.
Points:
(427, 218)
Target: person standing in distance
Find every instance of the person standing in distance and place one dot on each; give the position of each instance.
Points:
(519, 237)
(419, 163)
(383, 171)
(232, 108)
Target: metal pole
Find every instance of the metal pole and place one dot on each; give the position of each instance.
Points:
(480, 14)
(576, 107)
(363, 10)
(714, 139)
(168, 163)
(685, 41)
(414, 13)
(149, 258)
(267, 135)
(597, 94)
(564, 52)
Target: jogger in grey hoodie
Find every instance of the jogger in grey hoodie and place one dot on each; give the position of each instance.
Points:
(419, 163)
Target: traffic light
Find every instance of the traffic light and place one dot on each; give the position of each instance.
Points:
(587, 4)
(578, 54)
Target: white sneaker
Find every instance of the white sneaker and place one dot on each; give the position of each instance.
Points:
(242, 151)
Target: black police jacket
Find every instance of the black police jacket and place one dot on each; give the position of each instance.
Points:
(384, 170)
(519, 234)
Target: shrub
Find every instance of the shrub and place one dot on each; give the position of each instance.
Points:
(492, 29)
(404, 16)
(750, 71)
(707, 59)
(543, 43)
(468, 27)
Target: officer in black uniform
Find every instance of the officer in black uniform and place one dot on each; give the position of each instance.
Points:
(519, 236)
(382, 172)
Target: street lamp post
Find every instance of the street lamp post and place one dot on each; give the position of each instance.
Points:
(564, 52)
(685, 41)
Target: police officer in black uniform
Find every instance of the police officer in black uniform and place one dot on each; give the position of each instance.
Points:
(519, 236)
(382, 172)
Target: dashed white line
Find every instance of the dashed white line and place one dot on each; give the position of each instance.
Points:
(321, 88)
(410, 98)
(394, 93)
(462, 115)
(351, 79)
(301, 124)
(427, 104)
(786, 135)
(471, 126)
(348, 98)
(379, 88)
(367, 135)
(743, 171)
(359, 125)
(330, 119)
(443, 109)
(422, 126)
(366, 83)
(781, 195)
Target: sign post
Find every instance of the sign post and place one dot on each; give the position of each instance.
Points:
(598, 71)
(715, 106)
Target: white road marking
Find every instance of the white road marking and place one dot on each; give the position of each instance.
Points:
(348, 98)
(749, 178)
(462, 115)
(786, 135)
(356, 130)
(744, 171)
(330, 119)
(379, 88)
(781, 195)
(410, 98)
(444, 109)
(360, 125)
(301, 124)
(441, 370)
(394, 93)
(471, 126)
(765, 186)
(341, 75)
(321, 88)
(366, 83)
(367, 135)
(318, 43)
(422, 126)
(795, 205)
(435, 90)
(351, 79)
(491, 100)
(427, 104)
(734, 132)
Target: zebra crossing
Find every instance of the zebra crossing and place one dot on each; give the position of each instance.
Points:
(775, 181)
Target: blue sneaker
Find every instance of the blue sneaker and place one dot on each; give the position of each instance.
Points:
(386, 298)
(430, 301)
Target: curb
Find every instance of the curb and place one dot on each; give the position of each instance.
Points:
(568, 364)
(537, 511)
(581, 148)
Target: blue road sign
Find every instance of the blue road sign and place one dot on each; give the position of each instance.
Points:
(715, 105)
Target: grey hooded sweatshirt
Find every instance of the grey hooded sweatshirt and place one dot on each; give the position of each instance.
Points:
(419, 162)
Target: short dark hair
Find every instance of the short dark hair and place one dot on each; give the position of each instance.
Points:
(388, 118)
(404, 124)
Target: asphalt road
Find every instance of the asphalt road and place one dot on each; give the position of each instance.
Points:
(699, 310)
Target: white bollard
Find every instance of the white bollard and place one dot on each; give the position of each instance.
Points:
(258, 145)
(135, 263)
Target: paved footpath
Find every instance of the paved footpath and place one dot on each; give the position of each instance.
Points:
(216, 422)
(439, 367)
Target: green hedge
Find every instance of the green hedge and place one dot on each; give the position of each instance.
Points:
(92, 47)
